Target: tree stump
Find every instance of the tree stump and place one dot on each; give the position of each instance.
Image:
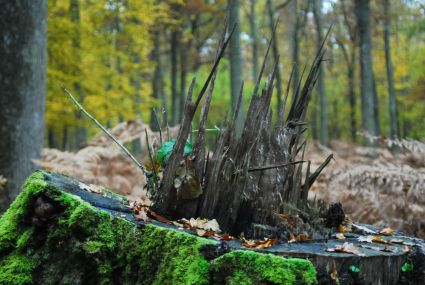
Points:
(57, 232)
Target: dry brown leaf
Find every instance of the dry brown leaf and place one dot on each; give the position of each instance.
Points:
(377, 248)
(343, 229)
(159, 218)
(141, 215)
(201, 232)
(292, 238)
(334, 273)
(302, 237)
(259, 244)
(346, 248)
(386, 231)
(340, 236)
(226, 237)
(379, 240)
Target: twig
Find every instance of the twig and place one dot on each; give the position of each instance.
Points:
(274, 166)
(111, 136)
(155, 116)
(155, 175)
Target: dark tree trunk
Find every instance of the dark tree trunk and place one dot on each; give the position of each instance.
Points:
(183, 75)
(157, 82)
(368, 92)
(253, 30)
(392, 104)
(352, 95)
(235, 59)
(324, 132)
(23, 84)
(175, 100)
(74, 11)
(270, 12)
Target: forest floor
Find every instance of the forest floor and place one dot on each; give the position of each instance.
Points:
(374, 185)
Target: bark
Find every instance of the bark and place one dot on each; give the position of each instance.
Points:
(157, 82)
(324, 132)
(392, 104)
(74, 11)
(253, 30)
(368, 92)
(349, 53)
(275, 54)
(235, 59)
(183, 75)
(175, 100)
(23, 83)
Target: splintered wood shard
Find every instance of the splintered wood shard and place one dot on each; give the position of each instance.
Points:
(246, 179)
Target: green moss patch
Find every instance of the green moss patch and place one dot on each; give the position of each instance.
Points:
(71, 242)
(248, 267)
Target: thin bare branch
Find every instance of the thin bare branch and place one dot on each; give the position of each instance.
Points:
(111, 136)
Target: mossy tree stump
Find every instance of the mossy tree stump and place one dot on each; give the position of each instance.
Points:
(56, 232)
(50, 235)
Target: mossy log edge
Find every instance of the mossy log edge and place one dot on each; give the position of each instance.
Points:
(49, 236)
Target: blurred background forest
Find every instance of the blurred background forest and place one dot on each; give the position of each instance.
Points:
(124, 58)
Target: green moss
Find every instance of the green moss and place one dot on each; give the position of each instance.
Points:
(81, 244)
(10, 220)
(247, 267)
(16, 269)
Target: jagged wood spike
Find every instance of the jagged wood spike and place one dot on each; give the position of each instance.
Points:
(260, 75)
(316, 174)
(282, 110)
(216, 63)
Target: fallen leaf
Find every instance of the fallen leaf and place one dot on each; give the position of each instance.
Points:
(340, 236)
(364, 229)
(302, 237)
(386, 231)
(259, 244)
(334, 273)
(212, 225)
(406, 249)
(379, 239)
(365, 239)
(292, 238)
(141, 215)
(201, 232)
(226, 237)
(159, 218)
(90, 188)
(343, 229)
(346, 248)
(377, 248)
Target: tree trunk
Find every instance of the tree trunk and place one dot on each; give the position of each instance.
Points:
(253, 29)
(235, 59)
(392, 104)
(275, 54)
(368, 94)
(74, 11)
(324, 133)
(352, 94)
(183, 74)
(23, 83)
(175, 100)
(157, 82)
